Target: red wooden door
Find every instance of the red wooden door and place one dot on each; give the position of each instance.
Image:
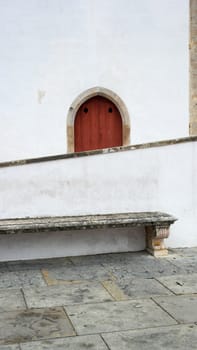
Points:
(98, 124)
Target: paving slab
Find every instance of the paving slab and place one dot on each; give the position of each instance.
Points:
(181, 284)
(180, 337)
(58, 295)
(159, 267)
(3, 267)
(185, 264)
(138, 271)
(107, 259)
(38, 264)
(126, 259)
(92, 342)
(11, 299)
(144, 268)
(127, 266)
(89, 260)
(35, 324)
(116, 316)
(61, 275)
(10, 347)
(181, 308)
(79, 285)
(18, 279)
(132, 262)
(135, 288)
(183, 252)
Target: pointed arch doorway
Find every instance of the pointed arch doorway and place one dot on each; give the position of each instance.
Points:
(119, 116)
(98, 124)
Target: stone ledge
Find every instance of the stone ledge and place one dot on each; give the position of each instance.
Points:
(98, 152)
(156, 226)
(83, 222)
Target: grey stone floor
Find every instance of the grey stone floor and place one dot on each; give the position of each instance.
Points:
(103, 302)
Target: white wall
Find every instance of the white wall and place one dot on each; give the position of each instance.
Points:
(51, 51)
(152, 179)
(60, 244)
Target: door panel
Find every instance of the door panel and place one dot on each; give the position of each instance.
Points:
(98, 124)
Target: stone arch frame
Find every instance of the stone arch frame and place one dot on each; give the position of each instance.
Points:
(86, 95)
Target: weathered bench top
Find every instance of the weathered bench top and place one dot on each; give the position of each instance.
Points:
(83, 222)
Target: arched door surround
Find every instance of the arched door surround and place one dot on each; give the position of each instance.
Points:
(88, 95)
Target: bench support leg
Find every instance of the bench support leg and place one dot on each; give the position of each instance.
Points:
(155, 236)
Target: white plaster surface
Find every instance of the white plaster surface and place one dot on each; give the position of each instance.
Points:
(58, 244)
(153, 179)
(51, 51)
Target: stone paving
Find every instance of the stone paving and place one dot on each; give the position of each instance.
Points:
(103, 302)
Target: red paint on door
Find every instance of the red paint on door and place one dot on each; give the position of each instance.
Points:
(98, 124)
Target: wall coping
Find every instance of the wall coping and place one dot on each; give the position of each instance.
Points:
(98, 152)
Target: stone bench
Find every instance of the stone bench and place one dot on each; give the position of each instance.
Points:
(156, 225)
